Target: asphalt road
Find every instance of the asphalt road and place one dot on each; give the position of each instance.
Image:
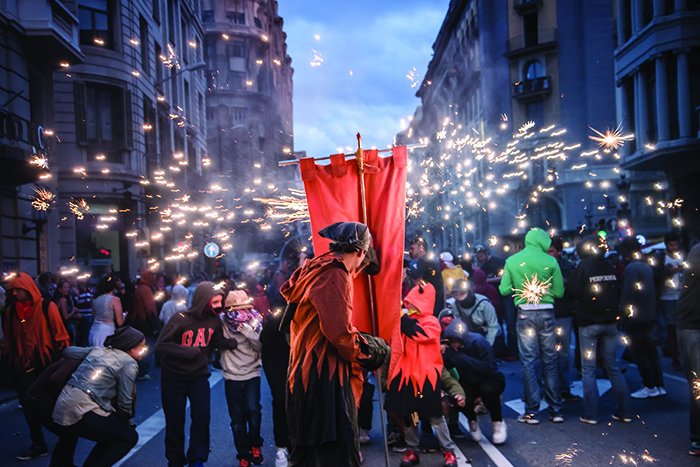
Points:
(657, 437)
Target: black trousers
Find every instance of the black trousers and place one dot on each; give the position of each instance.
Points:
(490, 391)
(275, 363)
(62, 455)
(644, 353)
(174, 393)
(330, 454)
(114, 436)
(23, 381)
(364, 414)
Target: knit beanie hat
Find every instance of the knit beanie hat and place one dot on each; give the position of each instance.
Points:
(124, 338)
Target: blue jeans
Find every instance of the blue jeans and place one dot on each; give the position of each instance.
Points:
(602, 338)
(537, 340)
(688, 344)
(564, 327)
(243, 399)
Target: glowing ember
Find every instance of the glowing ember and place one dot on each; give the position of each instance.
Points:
(533, 290)
(40, 161)
(294, 208)
(79, 207)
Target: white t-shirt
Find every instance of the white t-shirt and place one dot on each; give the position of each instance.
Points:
(672, 286)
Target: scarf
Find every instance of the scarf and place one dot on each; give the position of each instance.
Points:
(237, 318)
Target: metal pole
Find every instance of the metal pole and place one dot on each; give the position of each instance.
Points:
(296, 161)
(372, 312)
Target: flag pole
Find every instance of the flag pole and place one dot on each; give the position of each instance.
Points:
(359, 155)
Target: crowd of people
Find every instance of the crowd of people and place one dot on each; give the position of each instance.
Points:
(75, 353)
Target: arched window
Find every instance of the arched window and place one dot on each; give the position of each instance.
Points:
(534, 70)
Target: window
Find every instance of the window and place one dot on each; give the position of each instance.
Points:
(95, 23)
(530, 29)
(200, 115)
(535, 112)
(164, 133)
(103, 119)
(159, 63)
(173, 84)
(171, 21)
(186, 91)
(156, 10)
(184, 41)
(235, 17)
(149, 122)
(209, 50)
(236, 80)
(207, 16)
(145, 58)
(534, 70)
(258, 23)
(236, 49)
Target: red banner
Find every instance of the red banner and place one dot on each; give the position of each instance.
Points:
(333, 194)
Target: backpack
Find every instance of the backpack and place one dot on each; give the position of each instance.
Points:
(43, 393)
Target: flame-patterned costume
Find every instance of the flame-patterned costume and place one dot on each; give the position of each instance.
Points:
(414, 376)
(324, 386)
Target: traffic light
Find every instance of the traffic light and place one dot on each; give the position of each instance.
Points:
(602, 232)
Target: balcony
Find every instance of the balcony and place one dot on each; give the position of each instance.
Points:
(541, 40)
(526, 6)
(51, 32)
(532, 87)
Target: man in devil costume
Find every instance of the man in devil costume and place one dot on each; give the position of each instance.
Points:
(325, 385)
(414, 374)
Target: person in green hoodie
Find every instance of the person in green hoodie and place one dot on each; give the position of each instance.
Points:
(535, 280)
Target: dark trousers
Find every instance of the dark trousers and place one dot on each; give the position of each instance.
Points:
(490, 391)
(364, 414)
(509, 316)
(275, 365)
(62, 455)
(114, 436)
(644, 353)
(23, 381)
(174, 393)
(243, 399)
(330, 454)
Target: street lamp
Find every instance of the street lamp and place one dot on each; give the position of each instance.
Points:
(194, 67)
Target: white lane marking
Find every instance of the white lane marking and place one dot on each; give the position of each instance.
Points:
(154, 424)
(490, 450)
(517, 405)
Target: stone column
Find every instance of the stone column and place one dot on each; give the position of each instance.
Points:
(641, 120)
(623, 110)
(622, 21)
(681, 4)
(662, 121)
(659, 8)
(637, 16)
(683, 93)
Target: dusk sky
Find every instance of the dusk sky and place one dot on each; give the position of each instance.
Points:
(380, 42)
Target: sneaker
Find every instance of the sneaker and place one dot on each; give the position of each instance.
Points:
(455, 431)
(475, 431)
(410, 459)
(622, 419)
(257, 455)
(364, 436)
(282, 457)
(590, 421)
(556, 418)
(245, 463)
(34, 451)
(645, 393)
(399, 445)
(480, 409)
(676, 365)
(661, 391)
(145, 377)
(529, 418)
(450, 459)
(567, 396)
(499, 432)
(695, 449)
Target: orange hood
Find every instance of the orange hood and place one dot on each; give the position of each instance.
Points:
(421, 298)
(24, 281)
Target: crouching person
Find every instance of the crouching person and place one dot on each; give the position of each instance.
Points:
(98, 400)
(414, 381)
(473, 358)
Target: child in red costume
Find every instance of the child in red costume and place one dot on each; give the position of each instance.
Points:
(414, 375)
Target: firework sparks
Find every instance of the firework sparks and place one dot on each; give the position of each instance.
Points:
(533, 289)
(294, 208)
(43, 199)
(79, 207)
(696, 386)
(611, 139)
(566, 458)
(40, 161)
(318, 58)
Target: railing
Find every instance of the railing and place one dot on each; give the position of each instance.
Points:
(540, 37)
(532, 86)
